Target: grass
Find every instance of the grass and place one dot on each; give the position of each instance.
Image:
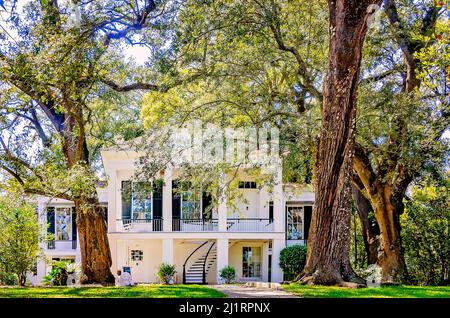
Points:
(140, 291)
(371, 292)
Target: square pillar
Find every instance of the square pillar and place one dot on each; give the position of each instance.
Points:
(265, 262)
(278, 203)
(113, 250)
(113, 209)
(167, 251)
(277, 273)
(222, 209)
(263, 203)
(167, 200)
(41, 270)
(222, 256)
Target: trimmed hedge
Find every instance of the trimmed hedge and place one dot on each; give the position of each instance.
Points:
(292, 260)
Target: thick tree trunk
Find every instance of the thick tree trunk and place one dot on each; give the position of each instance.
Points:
(94, 246)
(91, 223)
(329, 238)
(370, 230)
(391, 259)
(388, 206)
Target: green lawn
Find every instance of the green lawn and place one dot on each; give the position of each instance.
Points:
(372, 292)
(142, 291)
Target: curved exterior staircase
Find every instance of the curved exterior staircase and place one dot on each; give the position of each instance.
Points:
(197, 272)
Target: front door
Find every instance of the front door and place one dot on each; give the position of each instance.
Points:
(136, 261)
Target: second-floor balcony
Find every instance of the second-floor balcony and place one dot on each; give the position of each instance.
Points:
(139, 225)
(196, 225)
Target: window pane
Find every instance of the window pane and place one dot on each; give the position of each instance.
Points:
(63, 224)
(142, 200)
(294, 223)
(190, 205)
(251, 262)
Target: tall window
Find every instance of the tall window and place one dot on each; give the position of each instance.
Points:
(191, 205)
(251, 262)
(136, 200)
(63, 224)
(141, 200)
(294, 223)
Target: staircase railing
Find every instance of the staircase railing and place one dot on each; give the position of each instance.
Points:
(204, 262)
(185, 262)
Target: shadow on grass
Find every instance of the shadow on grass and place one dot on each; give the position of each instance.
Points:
(373, 292)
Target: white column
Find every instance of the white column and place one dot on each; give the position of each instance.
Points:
(222, 256)
(278, 202)
(263, 203)
(167, 251)
(167, 200)
(277, 273)
(265, 262)
(222, 209)
(41, 270)
(113, 210)
(113, 250)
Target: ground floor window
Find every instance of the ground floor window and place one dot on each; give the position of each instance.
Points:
(251, 262)
(294, 222)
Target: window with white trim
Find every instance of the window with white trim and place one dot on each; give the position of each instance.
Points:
(294, 222)
(63, 223)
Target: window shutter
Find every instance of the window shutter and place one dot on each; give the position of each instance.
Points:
(157, 199)
(206, 203)
(51, 219)
(74, 224)
(176, 201)
(126, 199)
(308, 214)
(271, 210)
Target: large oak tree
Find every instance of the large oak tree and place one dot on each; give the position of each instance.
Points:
(58, 63)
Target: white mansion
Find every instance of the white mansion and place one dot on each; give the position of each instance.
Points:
(168, 226)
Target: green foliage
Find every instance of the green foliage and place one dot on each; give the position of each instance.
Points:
(58, 274)
(426, 236)
(20, 236)
(228, 274)
(292, 260)
(8, 279)
(166, 273)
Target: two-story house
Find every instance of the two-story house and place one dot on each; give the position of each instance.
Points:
(155, 221)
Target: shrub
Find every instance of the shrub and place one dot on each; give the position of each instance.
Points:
(58, 274)
(292, 260)
(8, 279)
(228, 274)
(20, 236)
(166, 272)
(426, 235)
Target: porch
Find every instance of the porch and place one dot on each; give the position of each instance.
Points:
(198, 261)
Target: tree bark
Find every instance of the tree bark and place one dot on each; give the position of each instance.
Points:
(370, 231)
(329, 238)
(387, 201)
(94, 246)
(387, 213)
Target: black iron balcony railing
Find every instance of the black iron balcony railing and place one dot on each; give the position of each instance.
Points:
(195, 225)
(139, 225)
